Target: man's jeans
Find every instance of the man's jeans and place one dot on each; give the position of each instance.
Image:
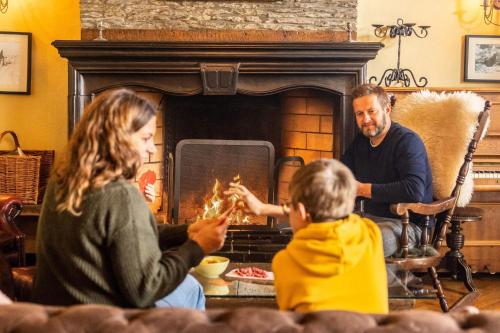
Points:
(189, 294)
(391, 229)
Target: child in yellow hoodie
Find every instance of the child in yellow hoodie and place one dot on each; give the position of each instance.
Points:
(335, 260)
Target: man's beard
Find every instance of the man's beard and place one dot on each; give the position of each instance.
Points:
(377, 131)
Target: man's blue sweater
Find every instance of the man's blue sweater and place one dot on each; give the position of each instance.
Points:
(398, 169)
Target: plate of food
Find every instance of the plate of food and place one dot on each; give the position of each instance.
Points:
(252, 274)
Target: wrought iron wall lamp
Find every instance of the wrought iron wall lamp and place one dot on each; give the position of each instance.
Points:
(489, 7)
(400, 75)
(4, 5)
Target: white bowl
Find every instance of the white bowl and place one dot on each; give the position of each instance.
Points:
(212, 266)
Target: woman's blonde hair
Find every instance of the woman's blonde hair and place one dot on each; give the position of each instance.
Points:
(326, 188)
(101, 148)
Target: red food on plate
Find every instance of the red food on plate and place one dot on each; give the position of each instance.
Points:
(250, 272)
(148, 177)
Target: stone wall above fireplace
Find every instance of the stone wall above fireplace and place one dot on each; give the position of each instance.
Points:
(278, 15)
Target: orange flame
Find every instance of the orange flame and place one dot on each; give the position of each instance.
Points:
(214, 206)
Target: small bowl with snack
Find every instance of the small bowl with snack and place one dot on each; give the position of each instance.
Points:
(212, 266)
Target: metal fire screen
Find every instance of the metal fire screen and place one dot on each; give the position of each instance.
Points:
(198, 163)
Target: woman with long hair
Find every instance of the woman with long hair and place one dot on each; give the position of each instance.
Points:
(97, 240)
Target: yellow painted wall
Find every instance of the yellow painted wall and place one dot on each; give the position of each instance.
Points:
(40, 119)
(439, 57)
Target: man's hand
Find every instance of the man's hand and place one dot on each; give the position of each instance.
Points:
(252, 204)
(210, 234)
(364, 190)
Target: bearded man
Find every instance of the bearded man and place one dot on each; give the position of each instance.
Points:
(390, 164)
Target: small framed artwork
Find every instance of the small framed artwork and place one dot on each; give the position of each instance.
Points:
(15, 62)
(482, 58)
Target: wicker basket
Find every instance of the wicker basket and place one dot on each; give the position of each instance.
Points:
(46, 162)
(19, 173)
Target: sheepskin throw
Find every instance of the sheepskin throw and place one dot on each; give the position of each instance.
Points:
(446, 123)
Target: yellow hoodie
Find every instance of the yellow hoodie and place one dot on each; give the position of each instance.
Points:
(333, 266)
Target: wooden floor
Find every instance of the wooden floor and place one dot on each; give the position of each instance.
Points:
(489, 293)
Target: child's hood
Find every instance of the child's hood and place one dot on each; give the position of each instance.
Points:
(331, 248)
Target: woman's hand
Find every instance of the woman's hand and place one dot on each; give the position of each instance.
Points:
(252, 204)
(149, 192)
(210, 234)
(195, 227)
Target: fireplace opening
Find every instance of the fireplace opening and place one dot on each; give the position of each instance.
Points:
(297, 123)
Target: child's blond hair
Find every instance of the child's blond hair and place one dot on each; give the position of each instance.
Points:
(326, 188)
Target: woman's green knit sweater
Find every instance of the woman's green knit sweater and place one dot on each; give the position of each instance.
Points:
(113, 253)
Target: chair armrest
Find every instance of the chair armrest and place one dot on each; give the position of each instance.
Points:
(10, 207)
(432, 208)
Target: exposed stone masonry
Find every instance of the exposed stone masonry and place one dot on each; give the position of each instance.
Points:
(284, 15)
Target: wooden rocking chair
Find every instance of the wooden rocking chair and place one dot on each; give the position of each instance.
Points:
(442, 210)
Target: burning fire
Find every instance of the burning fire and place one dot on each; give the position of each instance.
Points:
(215, 205)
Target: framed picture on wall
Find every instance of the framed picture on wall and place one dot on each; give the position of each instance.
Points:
(15, 62)
(482, 58)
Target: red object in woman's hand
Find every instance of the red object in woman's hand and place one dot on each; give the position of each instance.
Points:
(148, 177)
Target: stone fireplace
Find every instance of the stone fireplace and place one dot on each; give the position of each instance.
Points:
(294, 95)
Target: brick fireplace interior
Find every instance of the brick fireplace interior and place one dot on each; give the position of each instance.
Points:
(298, 122)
